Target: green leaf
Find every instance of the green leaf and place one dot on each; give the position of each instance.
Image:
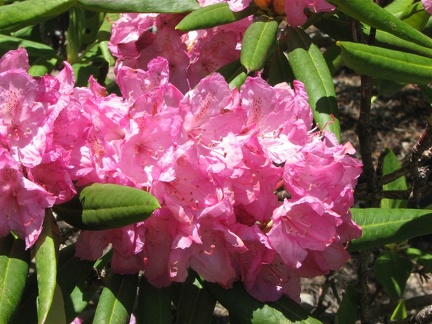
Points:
(396, 7)
(400, 312)
(422, 258)
(392, 271)
(310, 67)
(390, 164)
(56, 312)
(78, 300)
(245, 309)
(106, 206)
(280, 70)
(117, 299)
(14, 265)
(386, 64)
(234, 73)
(154, 305)
(34, 49)
(370, 13)
(257, 43)
(196, 305)
(46, 267)
(147, 6)
(213, 15)
(415, 16)
(383, 226)
(348, 309)
(24, 13)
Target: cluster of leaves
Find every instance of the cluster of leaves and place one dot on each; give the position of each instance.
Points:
(78, 31)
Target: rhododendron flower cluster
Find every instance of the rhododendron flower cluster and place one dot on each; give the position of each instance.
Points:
(138, 38)
(213, 157)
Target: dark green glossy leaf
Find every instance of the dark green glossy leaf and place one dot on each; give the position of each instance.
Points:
(370, 13)
(213, 15)
(196, 305)
(387, 64)
(105, 206)
(347, 312)
(34, 49)
(46, 248)
(14, 265)
(148, 6)
(117, 299)
(245, 309)
(257, 43)
(234, 73)
(280, 70)
(392, 271)
(154, 304)
(383, 226)
(310, 67)
(390, 164)
(20, 14)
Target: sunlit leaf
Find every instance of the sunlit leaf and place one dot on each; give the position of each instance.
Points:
(148, 6)
(370, 13)
(310, 67)
(14, 265)
(383, 226)
(117, 299)
(46, 248)
(257, 43)
(390, 164)
(24, 13)
(213, 15)
(105, 206)
(392, 271)
(386, 64)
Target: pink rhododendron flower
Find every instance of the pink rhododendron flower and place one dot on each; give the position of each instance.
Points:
(23, 202)
(427, 4)
(213, 157)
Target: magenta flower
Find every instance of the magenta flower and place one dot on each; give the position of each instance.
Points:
(427, 4)
(23, 202)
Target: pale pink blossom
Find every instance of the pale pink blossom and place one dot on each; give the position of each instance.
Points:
(294, 10)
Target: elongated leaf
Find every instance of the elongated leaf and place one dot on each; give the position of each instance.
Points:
(78, 300)
(400, 312)
(392, 271)
(257, 43)
(46, 267)
(310, 67)
(14, 265)
(117, 299)
(245, 309)
(20, 14)
(387, 64)
(398, 6)
(280, 70)
(383, 226)
(347, 312)
(390, 164)
(154, 305)
(415, 16)
(56, 312)
(387, 40)
(213, 15)
(234, 73)
(149, 6)
(34, 49)
(370, 13)
(196, 305)
(105, 206)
